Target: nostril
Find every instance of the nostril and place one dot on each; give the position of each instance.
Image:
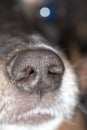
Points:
(55, 70)
(23, 74)
(31, 71)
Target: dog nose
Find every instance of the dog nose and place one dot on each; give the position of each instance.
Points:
(38, 71)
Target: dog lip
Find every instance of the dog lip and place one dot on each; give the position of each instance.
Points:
(34, 119)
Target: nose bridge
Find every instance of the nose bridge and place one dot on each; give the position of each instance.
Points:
(40, 74)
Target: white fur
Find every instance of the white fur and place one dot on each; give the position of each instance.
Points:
(45, 126)
(63, 106)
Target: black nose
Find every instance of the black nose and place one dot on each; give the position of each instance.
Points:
(38, 71)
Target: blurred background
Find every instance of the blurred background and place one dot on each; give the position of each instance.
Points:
(63, 22)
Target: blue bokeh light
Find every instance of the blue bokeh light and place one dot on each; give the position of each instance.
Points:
(49, 12)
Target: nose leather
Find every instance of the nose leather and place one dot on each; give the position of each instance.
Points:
(38, 71)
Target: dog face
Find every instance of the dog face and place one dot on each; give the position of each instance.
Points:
(38, 88)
